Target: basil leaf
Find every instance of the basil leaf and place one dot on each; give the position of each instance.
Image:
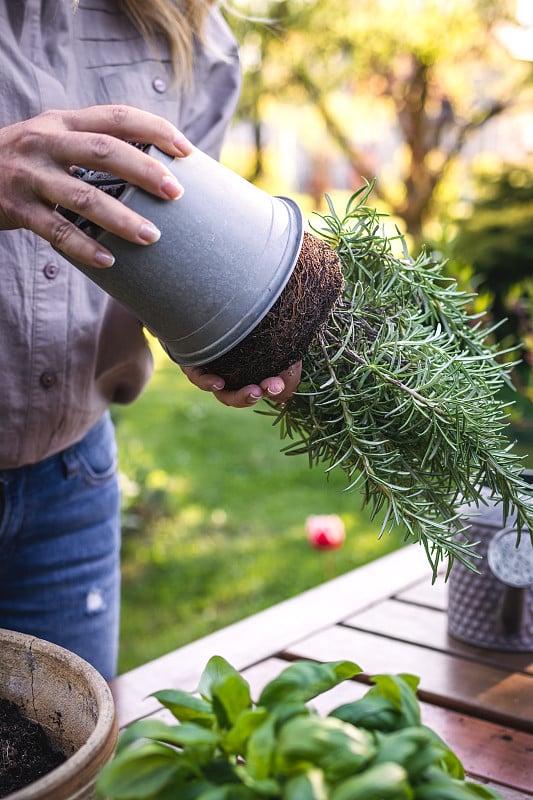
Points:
(333, 746)
(230, 697)
(307, 786)
(217, 668)
(236, 739)
(260, 751)
(415, 749)
(187, 734)
(374, 713)
(186, 707)
(389, 705)
(304, 680)
(139, 772)
(386, 781)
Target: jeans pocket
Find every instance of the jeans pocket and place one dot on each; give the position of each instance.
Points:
(96, 453)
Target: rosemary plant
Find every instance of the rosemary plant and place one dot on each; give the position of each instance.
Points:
(401, 391)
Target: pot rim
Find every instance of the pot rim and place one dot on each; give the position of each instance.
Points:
(99, 746)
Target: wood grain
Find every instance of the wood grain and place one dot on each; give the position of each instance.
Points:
(480, 689)
(429, 627)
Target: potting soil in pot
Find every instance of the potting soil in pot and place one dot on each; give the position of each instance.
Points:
(26, 753)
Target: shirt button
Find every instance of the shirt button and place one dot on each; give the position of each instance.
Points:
(159, 85)
(48, 379)
(50, 270)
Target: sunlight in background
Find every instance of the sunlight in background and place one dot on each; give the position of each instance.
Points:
(518, 39)
(524, 12)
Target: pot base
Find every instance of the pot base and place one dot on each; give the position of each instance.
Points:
(285, 334)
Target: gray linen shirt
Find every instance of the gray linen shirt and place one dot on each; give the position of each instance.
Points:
(67, 349)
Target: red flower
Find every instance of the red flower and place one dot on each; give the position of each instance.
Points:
(325, 531)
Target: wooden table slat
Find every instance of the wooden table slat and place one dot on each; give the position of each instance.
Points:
(425, 593)
(477, 689)
(429, 627)
(507, 792)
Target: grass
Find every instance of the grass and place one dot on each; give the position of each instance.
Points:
(214, 517)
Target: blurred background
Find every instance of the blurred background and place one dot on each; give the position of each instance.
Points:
(432, 99)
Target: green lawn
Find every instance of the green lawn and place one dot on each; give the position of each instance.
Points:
(214, 517)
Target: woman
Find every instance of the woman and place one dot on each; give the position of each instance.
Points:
(78, 84)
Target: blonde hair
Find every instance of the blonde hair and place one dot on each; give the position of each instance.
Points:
(180, 21)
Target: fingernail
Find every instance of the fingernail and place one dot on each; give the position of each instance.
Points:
(252, 398)
(104, 259)
(182, 144)
(275, 389)
(216, 387)
(149, 233)
(171, 187)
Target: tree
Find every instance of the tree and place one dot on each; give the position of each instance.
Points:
(494, 242)
(435, 67)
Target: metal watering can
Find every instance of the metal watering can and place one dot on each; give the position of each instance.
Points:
(494, 609)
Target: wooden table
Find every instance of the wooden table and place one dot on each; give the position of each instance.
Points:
(387, 617)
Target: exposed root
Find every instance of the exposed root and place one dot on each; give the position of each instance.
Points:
(286, 333)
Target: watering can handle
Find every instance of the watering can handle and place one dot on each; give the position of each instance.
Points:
(512, 611)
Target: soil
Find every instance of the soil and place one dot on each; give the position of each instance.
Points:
(286, 333)
(25, 751)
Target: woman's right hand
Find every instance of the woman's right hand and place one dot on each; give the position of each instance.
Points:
(38, 154)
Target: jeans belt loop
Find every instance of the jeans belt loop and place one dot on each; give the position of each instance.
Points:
(70, 463)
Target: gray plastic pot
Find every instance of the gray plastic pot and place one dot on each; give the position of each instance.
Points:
(71, 701)
(226, 252)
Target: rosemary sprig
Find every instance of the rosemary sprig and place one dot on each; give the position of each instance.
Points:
(401, 391)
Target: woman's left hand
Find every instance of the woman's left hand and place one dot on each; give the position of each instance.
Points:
(279, 388)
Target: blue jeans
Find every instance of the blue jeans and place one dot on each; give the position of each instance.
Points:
(60, 548)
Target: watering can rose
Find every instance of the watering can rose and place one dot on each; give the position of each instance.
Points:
(325, 531)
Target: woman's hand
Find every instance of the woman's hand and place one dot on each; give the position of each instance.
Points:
(37, 155)
(279, 388)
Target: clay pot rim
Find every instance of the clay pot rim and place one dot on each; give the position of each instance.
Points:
(98, 748)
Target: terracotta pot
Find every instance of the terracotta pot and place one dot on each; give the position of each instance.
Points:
(73, 704)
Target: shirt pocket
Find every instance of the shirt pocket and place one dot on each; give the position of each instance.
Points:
(149, 87)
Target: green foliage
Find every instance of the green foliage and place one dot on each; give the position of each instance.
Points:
(378, 66)
(387, 706)
(280, 748)
(401, 392)
(495, 241)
